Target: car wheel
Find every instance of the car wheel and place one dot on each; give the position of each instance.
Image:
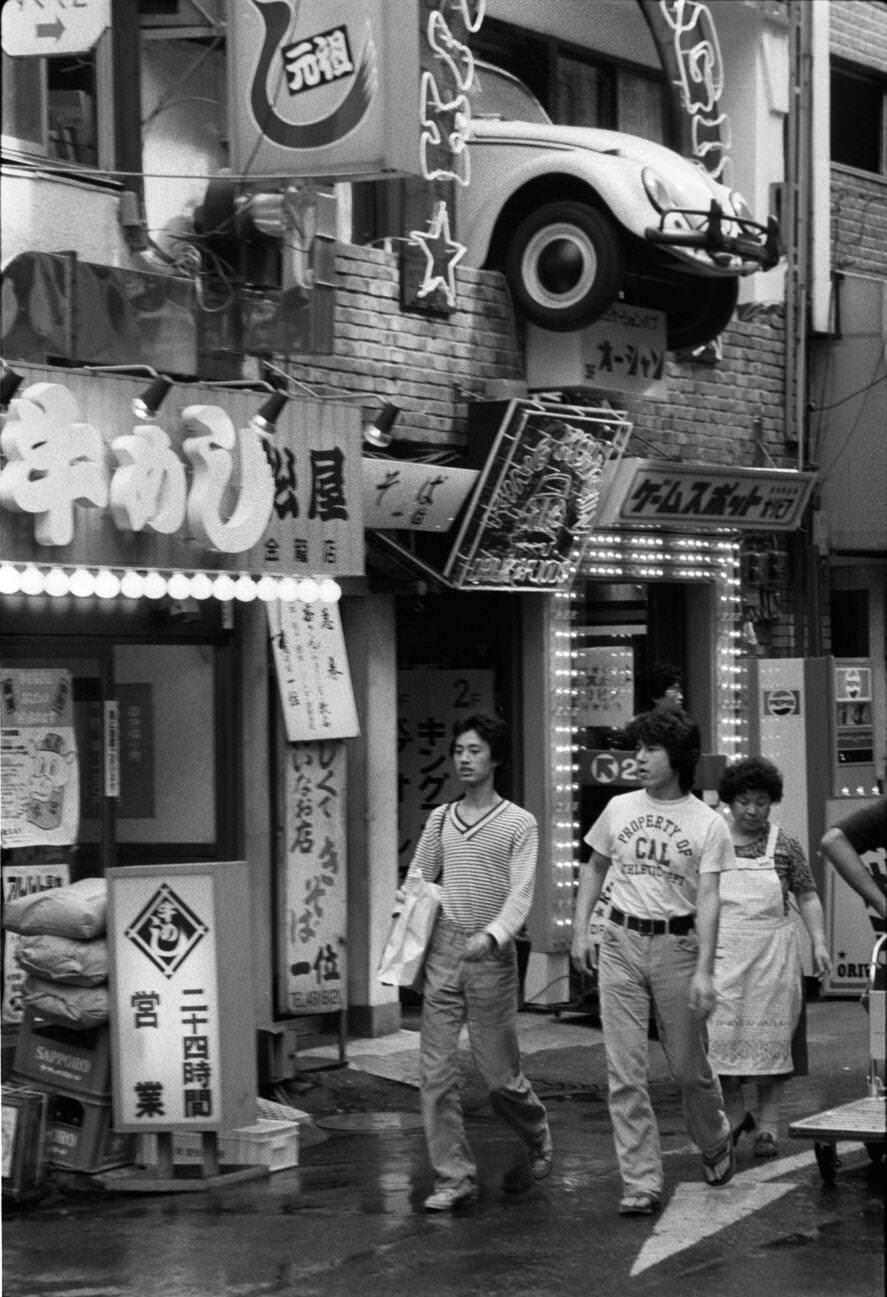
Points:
(702, 311)
(564, 265)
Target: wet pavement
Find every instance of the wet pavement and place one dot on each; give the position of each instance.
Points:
(349, 1218)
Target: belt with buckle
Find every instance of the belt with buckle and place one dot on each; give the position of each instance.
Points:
(676, 927)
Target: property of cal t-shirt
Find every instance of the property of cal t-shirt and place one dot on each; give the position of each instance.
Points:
(657, 851)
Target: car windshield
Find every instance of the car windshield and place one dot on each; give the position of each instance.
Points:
(499, 95)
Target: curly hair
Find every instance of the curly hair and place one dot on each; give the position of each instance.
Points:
(664, 676)
(490, 728)
(750, 775)
(675, 731)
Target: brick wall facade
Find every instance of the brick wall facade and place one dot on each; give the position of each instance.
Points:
(858, 31)
(429, 366)
(859, 221)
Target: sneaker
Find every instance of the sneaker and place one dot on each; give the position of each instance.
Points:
(522, 1176)
(639, 1203)
(766, 1145)
(720, 1166)
(541, 1158)
(451, 1196)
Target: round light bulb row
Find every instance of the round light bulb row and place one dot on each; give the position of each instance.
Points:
(104, 583)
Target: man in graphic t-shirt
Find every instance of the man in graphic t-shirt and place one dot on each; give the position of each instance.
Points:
(664, 850)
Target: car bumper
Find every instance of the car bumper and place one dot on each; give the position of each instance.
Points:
(732, 245)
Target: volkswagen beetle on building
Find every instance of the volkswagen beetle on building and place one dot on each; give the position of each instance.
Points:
(578, 217)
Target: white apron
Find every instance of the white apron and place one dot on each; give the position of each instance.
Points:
(757, 972)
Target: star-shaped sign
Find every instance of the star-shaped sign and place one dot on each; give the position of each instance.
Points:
(442, 255)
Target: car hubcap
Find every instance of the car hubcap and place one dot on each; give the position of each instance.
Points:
(559, 266)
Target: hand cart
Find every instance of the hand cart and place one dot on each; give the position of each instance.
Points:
(862, 1119)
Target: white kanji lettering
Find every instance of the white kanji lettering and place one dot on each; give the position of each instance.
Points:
(213, 487)
(53, 461)
(149, 488)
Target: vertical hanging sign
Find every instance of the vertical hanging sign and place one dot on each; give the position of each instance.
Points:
(314, 901)
(312, 670)
(182, 1018)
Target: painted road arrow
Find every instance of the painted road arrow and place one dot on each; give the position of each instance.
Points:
(695, 1211)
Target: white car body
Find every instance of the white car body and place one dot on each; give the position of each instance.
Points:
(663, 232)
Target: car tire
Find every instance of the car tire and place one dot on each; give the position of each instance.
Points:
(565, 265)
(704, 310)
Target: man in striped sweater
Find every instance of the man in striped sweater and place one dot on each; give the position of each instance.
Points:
(486, 849)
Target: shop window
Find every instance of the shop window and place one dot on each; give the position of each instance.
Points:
(51, 107)
(153, 725)
(849, 614)
(859, 118)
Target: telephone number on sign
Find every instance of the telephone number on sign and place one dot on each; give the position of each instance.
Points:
(316, 999)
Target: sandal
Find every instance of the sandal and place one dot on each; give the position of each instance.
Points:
(720, 1167)
(766, 1145)
(639, 1204)
(745, 1127)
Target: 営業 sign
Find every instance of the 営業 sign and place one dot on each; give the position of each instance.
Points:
(180, 974)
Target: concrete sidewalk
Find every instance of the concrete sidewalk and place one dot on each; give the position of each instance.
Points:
(395, 1057)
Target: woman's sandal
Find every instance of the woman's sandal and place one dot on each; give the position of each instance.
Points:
(639, 1204)
(745, 1127)
(720, 1167)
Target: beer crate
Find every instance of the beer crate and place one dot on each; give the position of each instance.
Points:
(62, 1058)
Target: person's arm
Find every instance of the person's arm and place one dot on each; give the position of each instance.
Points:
(836, 848)
(708, 904)
(814, 921)
(591, 882)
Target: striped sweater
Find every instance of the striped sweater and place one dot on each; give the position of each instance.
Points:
(489, 868)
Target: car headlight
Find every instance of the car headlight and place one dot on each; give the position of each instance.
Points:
(740, 207)
(658, 191)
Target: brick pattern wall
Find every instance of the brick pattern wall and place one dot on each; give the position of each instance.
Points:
(859, 221)
(858, 31)
(431, 366)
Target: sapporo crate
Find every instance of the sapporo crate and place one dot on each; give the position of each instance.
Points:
(61, 1058)
(80, 1135)
(274, 1144)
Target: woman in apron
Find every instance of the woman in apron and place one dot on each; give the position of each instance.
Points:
(758, 976)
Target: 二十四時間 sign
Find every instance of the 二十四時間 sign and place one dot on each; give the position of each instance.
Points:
(182, 1017)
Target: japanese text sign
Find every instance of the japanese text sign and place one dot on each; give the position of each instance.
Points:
(399, 495)
(428, 703)
(39, 765)
(197, 486)
(537, 499)
(312, 670)
(325, 88)
(314, 902)
(691, 496)
(622, 351)
(182, 1022)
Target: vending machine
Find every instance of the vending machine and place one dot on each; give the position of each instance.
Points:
(813, 718)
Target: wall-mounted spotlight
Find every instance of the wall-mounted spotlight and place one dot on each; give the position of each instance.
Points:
(150, 401)
(378, 433)
(9, 385)
(268, 413)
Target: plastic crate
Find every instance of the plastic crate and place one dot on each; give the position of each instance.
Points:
(80, 1135)
(62, 1058)
(274, 1144)
(24, 1141)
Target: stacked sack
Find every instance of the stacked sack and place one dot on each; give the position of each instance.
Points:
(63, 951)
(63, 1044)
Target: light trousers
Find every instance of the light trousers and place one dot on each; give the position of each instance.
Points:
(636, 973)
(482, 993)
